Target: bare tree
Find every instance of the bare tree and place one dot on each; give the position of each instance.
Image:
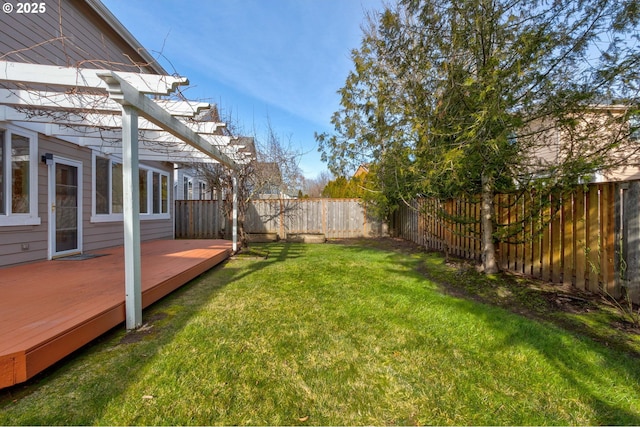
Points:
(272, 171)
(313, 187)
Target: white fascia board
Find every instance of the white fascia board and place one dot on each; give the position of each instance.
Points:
(125, 94)
(17, 72)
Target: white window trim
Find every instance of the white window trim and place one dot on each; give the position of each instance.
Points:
(150, 215)
(187, 180)
(19, 219)
(118, 217)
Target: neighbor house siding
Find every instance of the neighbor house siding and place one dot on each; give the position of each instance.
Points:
(69, 33)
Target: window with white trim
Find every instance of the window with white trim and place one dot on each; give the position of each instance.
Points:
(155, 200)
(187, 188)
(634, 127)
(202, 190)
(18, 177)
(107, 179)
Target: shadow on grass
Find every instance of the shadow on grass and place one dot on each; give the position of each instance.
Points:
(78, 389)
(584, 366)
(581, 364)
(86, 383)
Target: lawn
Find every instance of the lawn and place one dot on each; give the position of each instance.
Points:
(333, 334)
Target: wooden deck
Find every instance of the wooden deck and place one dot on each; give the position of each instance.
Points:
(49, 309)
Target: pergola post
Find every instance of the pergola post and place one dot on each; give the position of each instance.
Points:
(234, 181)
(131, 213)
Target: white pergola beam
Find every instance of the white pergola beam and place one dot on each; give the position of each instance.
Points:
(234, 214)
(88, 102)
(51, 75)
(91, 119)
(125, 94)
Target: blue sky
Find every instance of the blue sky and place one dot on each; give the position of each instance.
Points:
(281, 60)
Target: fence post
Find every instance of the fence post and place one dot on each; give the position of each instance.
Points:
(631, 236)
(607, 243)
(619, 252)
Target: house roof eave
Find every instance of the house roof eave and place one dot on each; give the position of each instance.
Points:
(98, 7)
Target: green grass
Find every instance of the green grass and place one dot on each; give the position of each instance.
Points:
(333, 334)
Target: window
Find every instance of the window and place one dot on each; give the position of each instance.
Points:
(202, 190)
(144, 204)
(153, 197)
(116, 188)
(156, 193)
(160, 197)
(634, 127)
(187, 189)
(103, 177)
(107, 187)
(18, 177)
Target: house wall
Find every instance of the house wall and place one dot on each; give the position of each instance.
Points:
(196, 194)
(68, 33)
(72, 33)
(547, 145)
(96, 235)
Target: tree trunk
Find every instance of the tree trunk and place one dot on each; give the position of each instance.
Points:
(489, 263)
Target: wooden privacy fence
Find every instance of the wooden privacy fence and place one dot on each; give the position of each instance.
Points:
(588, 238)
(200, 219)
(335, 218)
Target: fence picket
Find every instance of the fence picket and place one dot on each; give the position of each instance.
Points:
(556, 239)
(593, 238)
(607, 233)
(575, 239)
(580, 237)
(568, 251)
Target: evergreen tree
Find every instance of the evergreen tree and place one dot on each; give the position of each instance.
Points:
(462, 97)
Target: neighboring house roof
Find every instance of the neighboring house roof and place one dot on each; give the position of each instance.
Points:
(363, 169)
(245, 144)
(270, 169)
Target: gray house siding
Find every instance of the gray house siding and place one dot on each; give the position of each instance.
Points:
(80, 33)
(69, 33)
(20, 244)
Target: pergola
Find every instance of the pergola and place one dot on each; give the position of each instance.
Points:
(118, 113)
